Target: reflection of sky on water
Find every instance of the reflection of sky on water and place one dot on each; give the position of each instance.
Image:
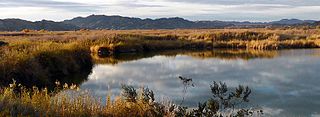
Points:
(286, 85)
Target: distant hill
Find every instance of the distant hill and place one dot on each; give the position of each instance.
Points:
(292, 21)
(18, 25)
(122, 23)
(119, 22)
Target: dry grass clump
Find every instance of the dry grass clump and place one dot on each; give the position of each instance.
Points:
(231, 54)
(70, 101)
(227, 36)
(41, 63)
(128, 43)
(18, 100)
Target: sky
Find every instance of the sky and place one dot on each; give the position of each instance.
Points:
(228, 10)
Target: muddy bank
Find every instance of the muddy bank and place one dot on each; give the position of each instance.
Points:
(225, 54)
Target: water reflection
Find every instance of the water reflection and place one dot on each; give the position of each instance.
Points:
(284, 82)
(227, 54)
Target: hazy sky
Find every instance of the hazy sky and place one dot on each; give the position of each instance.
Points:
(251, 10)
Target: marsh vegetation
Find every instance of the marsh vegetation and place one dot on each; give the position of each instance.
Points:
(68, 100)
(39, 58)
(54, 55)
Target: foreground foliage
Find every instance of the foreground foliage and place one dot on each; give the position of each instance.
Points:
(68, 101)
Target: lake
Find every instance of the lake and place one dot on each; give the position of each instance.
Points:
(283, 83)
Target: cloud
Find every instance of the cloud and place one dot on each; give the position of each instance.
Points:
(254, 10)
(239, 2)
(69, 6)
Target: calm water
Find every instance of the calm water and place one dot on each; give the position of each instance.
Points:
(285, 82)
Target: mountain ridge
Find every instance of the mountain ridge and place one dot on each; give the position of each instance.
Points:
(126, 23)
(19, 24)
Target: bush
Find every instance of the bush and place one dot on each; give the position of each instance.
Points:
(2, 43)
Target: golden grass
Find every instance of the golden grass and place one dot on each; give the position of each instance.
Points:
(40, 63)
(69, 101)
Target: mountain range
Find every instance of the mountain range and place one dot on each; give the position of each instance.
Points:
(124, 23)
(18, 25)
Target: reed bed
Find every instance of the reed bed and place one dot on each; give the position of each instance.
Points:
(41, 63)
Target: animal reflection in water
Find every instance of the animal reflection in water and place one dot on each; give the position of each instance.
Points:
(187, 82)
